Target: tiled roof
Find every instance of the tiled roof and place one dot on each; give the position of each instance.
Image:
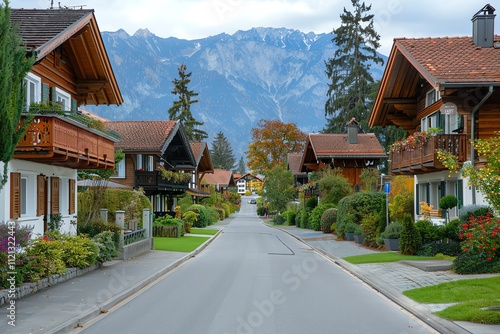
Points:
(337, 145)
(294, 161)
(141, 135)
(222, 177)
(451, 59)
(197, 148)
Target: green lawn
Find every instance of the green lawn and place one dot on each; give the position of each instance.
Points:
(182, 244)
(207, 231)
(389, 257)
(472, 296)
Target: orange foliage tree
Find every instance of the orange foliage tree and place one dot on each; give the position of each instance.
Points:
(272, 140)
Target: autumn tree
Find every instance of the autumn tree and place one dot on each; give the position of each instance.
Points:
(14, 65)
(221, 153)
(349, 70)
(271, 141)
(181, 109)
(278, 188)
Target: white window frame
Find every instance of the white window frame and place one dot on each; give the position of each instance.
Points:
(431, 97)
(33, 89)
(120, 170)
(151, 163)
(139, 162)
(63, 98)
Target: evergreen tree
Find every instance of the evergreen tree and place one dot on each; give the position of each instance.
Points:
(13, 68)
(221, 153)
(349, 69)
(181, 109)
(242, 168)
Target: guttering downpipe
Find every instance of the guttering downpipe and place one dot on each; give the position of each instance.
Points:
(472, 131)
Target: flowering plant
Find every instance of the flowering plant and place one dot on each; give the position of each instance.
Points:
(412, 142)
(426, 209)
(481, 235)
(308, 186)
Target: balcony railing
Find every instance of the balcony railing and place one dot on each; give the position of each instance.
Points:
(58, 140)
(424, 160)
(152, 180)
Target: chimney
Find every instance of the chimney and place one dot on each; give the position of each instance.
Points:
(483, 27)
(352, 131)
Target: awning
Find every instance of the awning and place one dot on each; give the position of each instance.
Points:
(197, 192)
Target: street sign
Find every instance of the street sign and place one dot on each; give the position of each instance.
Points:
(387, 187)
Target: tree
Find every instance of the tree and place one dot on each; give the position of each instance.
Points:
(14, 65)
(333, 186)
(349, 69)
(242, 169)
(278, 188)
(271, 142)
(221, 153)
(181, 109)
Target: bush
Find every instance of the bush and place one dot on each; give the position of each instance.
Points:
(328, 218)
(429, 232)
(481, 235)
(215, 214)
(290, 218)
(451, 248)
(279, 219)
(45, 259)
(311, 203)
(467, 263)
(79, 252)
(189, 218)
(400, 205)
(203, 215)
(393, 231)
(410, 240)
(315, 216)
(23, 235)
(448, 202)
(353, 208)
(304, 219)
(452, 230)
(106, 245)
(351, 227)
(261, 210)
(371, 228)
(473, 210)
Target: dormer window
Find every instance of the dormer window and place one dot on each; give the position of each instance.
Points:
(431, 97)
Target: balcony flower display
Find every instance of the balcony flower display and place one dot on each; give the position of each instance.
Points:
(412, 142)
(175, 177)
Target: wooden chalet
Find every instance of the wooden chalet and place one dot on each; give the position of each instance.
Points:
(150, 147)
(450, 83)
(222, 180)
(72, 69)
(203, 166)
(351, 152)
(247, 181)
(293, 161)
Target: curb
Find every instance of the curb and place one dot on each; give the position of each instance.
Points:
(412, 307)
(74, 322)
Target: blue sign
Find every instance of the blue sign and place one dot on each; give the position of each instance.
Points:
(387, 187)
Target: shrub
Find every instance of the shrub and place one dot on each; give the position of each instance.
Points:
(290, 217)
(468, 263)
(393, 231)
(448, 202)
(203, 216)
(315, 216)
(429, 232)
(473, 210)
(168, 221)
(214, 214)
(298, 217)
(261, 210)
(353, 208)
(371, 228)
(481, 236)
(334, 186)
(93, 228)
(451, 248)
(189, 218)
(328, 218)
(311, 203)
(79, 251)
(45, 259)
(350, 227)
(22, 233)
(106, 245)
(400, 205)
(304, 219)
(279, 219)
(410, 239)
(452, 230)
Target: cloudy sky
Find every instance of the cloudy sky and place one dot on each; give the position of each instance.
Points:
(191, 19)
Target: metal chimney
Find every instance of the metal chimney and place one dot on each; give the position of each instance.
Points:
(483, 27)
(352, 131)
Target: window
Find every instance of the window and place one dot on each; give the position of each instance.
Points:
(63, 98)
(33, 89)
(120, 169)
(431, 97)
(23, 195)
(139, 162)
(150, 163)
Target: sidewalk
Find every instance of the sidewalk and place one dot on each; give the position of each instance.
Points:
(391, 279)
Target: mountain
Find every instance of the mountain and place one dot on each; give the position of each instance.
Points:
(262, 73)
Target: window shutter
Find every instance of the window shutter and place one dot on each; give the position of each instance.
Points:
(45, 93)
(40, 195)
(15, 195)
(417, 196)
(54, 195)
(53, 94)
(71, 196)
(460, 193)
(74, 105)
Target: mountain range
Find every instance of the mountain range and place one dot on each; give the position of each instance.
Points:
(261, 73)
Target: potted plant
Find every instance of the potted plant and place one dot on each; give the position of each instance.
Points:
(349, 231)
(391, 236)
(358, 234)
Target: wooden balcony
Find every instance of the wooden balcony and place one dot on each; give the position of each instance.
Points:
(62, 141)
(152, 183)
(424, 160)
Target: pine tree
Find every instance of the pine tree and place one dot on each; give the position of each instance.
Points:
(349, 69)
(181, 109)
(242, 168)
(221, 153)
(13, 68)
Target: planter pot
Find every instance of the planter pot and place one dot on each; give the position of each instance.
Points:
(349, 236)
(391, 244)
(359, 238)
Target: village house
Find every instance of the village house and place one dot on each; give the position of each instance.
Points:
(71, 69)
(447, 86)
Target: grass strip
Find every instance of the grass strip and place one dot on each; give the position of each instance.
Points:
(183, 244)
(205, 231)
(386, 257)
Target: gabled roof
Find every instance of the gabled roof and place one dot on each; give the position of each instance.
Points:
(223, 178)
(441, 62)
(202, 157)
(337, 146)
(247, 176)
(294, 161)
(143, 135)
(76, 36)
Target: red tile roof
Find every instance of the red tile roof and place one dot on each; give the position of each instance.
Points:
(142, 135)
(197, 148)
(294, 161)
(337, 145)
(221, 177)
(451, 59)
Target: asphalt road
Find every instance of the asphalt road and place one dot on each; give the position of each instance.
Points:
(257, 279)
